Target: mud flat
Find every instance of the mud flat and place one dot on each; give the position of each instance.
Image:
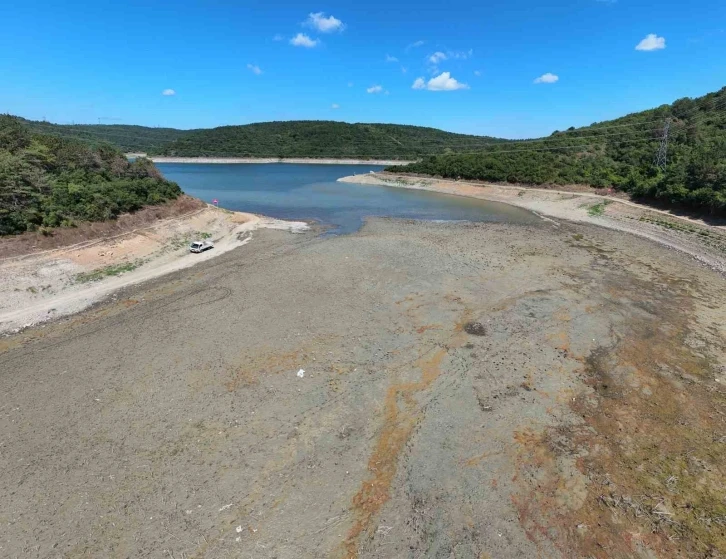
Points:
(469, 390)
(701, 240)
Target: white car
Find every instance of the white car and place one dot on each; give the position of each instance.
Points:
(200, 246)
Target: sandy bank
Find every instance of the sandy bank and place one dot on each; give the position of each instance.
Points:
(295, 160)
(706, 243)
(48, 284)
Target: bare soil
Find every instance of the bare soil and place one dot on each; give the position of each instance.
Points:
(46, 284)
(469, 390)
(87, 232)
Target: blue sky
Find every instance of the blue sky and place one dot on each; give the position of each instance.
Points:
(465, 66)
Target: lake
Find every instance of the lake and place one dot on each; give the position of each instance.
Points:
(310, 192)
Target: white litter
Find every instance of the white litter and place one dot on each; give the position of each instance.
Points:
(301, 373)
(239, 529)
(225, 507)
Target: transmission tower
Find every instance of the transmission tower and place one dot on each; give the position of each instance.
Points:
(662, 155)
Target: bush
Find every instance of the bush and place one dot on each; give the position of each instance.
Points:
(51, 182)
(614, 155)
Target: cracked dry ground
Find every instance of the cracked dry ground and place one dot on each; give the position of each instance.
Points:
(470, 390)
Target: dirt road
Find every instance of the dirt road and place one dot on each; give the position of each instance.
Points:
(469, 390)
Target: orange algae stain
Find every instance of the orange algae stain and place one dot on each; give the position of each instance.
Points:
(398, 425)
(399, 420)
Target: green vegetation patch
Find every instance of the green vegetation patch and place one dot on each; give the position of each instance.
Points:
(674, 225)
(129, 138)
(49, 181)
(112, 270)
(321, 139)
(598, 209)
(615, 154)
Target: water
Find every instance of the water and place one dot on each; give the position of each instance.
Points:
(310, 192)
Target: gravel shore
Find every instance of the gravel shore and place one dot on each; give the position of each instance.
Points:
(412, 390)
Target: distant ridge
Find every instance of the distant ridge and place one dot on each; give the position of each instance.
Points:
(126, 137)
(320, 139)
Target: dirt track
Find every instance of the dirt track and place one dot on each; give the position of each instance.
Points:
(48, 284)
(470, 390)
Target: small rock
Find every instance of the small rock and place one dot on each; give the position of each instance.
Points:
(475, 328)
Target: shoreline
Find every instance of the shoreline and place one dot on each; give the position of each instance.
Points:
(265, 160)
(44, 285)
(706, 243)
(50, 284)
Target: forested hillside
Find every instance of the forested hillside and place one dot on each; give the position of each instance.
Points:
(52, 181)
(618, 153)
(128, 138)
(311, 138)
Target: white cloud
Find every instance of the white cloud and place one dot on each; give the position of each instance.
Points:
(477, 73)
(278, 37)
(461, 55)
(390, 58)
(375, 89)
(335, 106)
(442, 82)
(254, 69)
(404, 69)
(547, 78)
(651, 42)
(168, 92)
(324, 24)
(415, 45)
(437, 57)
(302, 40)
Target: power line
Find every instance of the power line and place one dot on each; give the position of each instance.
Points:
(79, 131)
(553, 148)
(662, 155)
(449, 144)
(570, 146)
(439, 154)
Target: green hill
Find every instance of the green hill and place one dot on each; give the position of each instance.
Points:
(313, 138)
(48, 181)
(128, 138)
(618, 153)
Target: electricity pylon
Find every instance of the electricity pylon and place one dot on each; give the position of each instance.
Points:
(662, 156)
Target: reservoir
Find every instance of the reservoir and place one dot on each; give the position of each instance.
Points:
(310, 192)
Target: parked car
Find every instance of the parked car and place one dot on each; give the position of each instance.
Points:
(200, 246)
